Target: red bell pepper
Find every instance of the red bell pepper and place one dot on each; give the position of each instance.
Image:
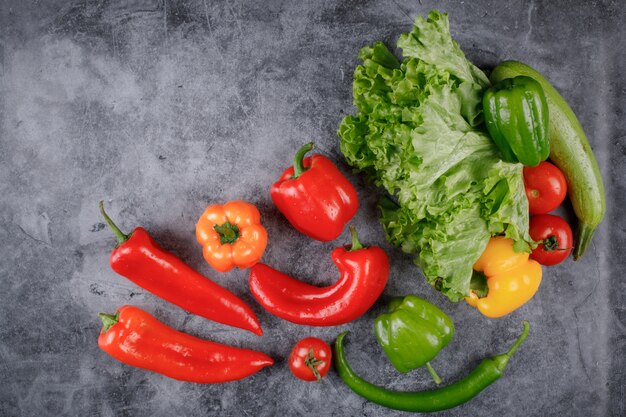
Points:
(140, 259)
(138, 339)
(315, 197)
(364, 273)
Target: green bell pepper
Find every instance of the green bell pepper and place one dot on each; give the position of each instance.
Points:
(412, 333)
(516, 115)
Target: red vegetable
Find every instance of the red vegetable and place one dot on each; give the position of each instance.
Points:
(140, 259)
(364, 273)
(310, 359)
(545, 186)
(555, 236)
(315, 197)
(138, 339)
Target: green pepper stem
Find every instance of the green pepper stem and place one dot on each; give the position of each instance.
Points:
(519, 340)
(500, 361)
(298, 164)
(121, 237)
(229, 233)
(432, 372)
(356, 243)
(108, 320)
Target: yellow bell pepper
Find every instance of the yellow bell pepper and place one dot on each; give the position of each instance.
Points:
(512, 278)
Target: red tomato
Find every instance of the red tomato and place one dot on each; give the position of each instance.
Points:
(545, 186)
(555, 236)
(310, 359)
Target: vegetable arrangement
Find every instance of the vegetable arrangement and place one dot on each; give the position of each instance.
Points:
(570, 151)
(418, 133)
(140, 259)
(469, 191)
(485, 374)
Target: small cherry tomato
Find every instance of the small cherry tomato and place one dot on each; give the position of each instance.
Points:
(554, 237)
(545, 186)
(310, 359)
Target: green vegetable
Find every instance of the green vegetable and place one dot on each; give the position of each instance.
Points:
(486, 373)
(516, 115)
(412, 333)
(418, 133)
(570, 151)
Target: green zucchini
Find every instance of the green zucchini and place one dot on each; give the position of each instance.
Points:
(570, 151)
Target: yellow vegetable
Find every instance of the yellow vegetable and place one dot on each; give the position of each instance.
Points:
(512, 279)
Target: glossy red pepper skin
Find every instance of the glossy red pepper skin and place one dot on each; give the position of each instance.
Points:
(364, 274)
(319, 202)
(144, 262)
(138, 339)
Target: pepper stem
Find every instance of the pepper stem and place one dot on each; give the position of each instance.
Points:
(502, 360)
(121, 237)
(432, 372)
(229, 233)
(298, 164)
(356, 243)
(311, 361)
(108, 320)
(519, 340)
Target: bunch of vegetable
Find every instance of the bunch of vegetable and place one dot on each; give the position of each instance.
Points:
(318, 200)
(463, 162)
(570, 151)
(418, 132)
(140, 259)
(455, 182)
(487, 372)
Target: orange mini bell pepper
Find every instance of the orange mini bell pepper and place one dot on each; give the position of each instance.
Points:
(231, 235)
(512, 278)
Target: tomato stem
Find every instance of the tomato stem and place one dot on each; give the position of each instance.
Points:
(311, 361)
(550, 244)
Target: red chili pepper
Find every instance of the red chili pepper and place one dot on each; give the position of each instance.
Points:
(364, 273)
(315, 197)
(138, 339)
(140, 259)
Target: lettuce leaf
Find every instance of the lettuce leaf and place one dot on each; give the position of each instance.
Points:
(418, 133)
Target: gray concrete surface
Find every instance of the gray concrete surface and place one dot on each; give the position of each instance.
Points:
(162, 107)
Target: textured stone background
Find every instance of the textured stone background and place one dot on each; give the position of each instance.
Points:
(162, 107)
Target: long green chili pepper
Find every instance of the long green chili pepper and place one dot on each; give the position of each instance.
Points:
(487, 372)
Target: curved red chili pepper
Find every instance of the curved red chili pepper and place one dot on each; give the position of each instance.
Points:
(364, 273)
(140, 259)
(138, 339)
(315, 196)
